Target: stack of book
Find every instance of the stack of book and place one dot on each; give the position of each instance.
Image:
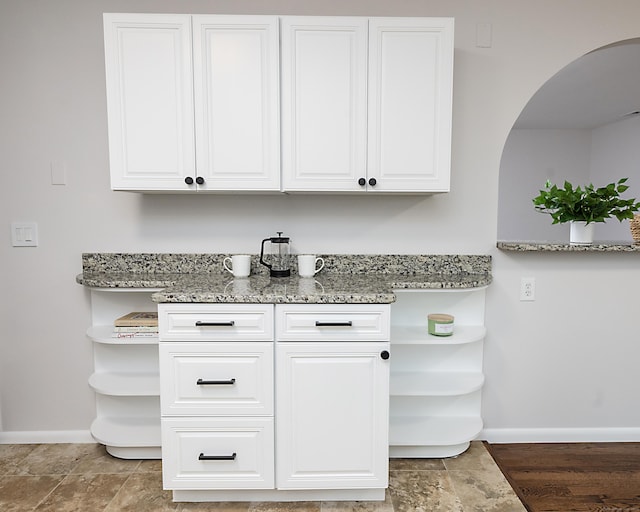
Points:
(137, 324)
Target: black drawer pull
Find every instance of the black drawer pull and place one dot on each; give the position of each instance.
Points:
(201, 382)
(230, 323)
(202, 456)
(333, 324)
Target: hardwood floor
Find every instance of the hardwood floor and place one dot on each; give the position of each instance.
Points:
(594, 477)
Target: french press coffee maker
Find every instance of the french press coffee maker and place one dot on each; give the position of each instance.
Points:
(278, 258)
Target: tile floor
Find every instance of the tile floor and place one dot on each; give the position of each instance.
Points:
(83, 477)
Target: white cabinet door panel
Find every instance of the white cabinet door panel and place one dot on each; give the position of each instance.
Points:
(324, 102)
(236, 62)
(332, 412)
(149, 100)
(410, 100)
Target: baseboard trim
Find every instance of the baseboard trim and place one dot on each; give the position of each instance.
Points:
(492, 435)
(560, 435)
(46, 437)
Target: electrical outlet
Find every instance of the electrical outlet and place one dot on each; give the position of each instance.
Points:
(527, 288)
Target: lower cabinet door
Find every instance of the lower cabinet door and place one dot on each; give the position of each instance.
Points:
(220, 453)
(332, 406)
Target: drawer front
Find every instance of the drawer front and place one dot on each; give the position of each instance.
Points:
(215, 322)
(331, 322)
(216, 378)
(224, 453)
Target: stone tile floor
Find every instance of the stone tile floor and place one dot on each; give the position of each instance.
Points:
(83, 477)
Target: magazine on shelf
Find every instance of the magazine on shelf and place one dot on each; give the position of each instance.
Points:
(138, 319)
(125, 335)
(138, 328)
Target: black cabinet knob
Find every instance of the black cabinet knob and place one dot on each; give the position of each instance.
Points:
(200, 180)
(188, 180)
(372, 182)
(384, 354)
(362, 182)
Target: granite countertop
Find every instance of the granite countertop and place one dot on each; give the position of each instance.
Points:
(354, 279)
(598, 246)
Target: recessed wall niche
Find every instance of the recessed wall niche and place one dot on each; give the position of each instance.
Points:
(582, 125)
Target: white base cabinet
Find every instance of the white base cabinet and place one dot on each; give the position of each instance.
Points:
(303, 415)
(436, 382)
(334, 397)
(125, 378)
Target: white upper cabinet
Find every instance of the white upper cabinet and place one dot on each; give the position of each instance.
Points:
(324, 103)
(366, 104)
(410, 100)
(236, 93)
(149, 100)
(195, 103)
(192, 102)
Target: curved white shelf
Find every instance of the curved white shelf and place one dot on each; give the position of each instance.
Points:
(126, 384)
(102, 334)
(433, 431)
(127, 432)
(436, 383)
(418, 335)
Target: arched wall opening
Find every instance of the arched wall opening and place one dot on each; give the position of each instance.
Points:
(582, 125)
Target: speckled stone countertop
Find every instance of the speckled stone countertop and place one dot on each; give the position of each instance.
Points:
(355, 279)
(561, 247)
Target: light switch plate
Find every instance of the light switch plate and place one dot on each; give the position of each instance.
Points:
(24, 234)
(483, 35)
(58, 173)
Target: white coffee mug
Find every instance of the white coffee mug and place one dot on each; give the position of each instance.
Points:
(308, 265)
(240, 265)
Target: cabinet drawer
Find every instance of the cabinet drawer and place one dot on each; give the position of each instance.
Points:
(330, 322)
(223, 453)
(215, 322)
(216, 378)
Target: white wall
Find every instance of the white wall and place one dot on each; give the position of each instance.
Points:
(544, 370)
(530, 157)
(616, 154)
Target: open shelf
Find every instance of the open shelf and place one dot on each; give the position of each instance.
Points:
(126, 384)
(433, 430)
(418, 335)
(126, 431)
(126, 377)
(436, 383)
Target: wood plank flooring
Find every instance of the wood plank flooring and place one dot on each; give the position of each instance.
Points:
(574, 477)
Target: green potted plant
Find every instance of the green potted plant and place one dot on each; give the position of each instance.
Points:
(583, 206)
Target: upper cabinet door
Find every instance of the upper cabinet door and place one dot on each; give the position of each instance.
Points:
(149, 100)
(410, 103)
(236, 92)
(324, 74)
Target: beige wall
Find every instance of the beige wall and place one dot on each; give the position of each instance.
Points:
(544, 369)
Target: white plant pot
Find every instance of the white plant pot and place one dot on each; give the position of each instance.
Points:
(581, 233)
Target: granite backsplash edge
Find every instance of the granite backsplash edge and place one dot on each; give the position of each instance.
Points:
(187, 263)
